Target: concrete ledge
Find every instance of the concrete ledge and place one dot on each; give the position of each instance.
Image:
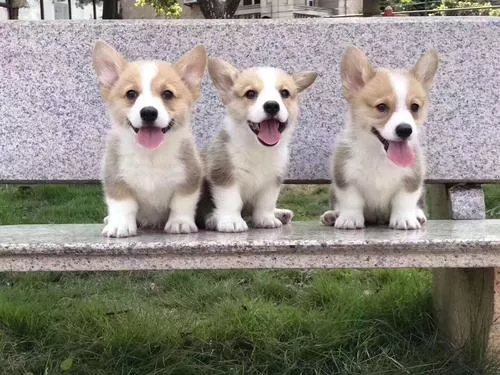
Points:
(467, 244)
(53, 122)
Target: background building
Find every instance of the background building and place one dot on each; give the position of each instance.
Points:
(285, 8)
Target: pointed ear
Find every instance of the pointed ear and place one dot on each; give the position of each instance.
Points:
(108, 64)
(425, 69)
(304, 79)
(355, 70)
(223, 76)
(192, 67)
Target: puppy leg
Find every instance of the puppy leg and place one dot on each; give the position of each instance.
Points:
(405, 213)
(227, 213)
(182, 213)
(264, 212)
(349, 206)
(121, 219)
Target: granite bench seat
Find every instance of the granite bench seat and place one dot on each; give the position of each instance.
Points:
(80, 247)
(53, 126)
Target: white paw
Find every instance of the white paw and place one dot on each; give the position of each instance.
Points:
(350, 220)
(180, 225)
(404, 220)
(227, 224)
(266, 221)
(329, 218)
(120, 226)
(283, 215)
(421, 216)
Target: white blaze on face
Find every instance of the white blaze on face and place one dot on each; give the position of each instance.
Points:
(401, 115)
(400, 151)
(149, 137)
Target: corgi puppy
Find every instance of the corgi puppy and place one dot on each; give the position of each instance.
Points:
(378, 166)
(152, 172)
(246, 163)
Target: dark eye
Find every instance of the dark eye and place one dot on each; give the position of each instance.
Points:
(382, 107)
(285, 93)
(251, 94)
(131, 94)
(167, 95)
(414, 107)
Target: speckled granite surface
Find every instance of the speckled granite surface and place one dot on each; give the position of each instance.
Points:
(443, 243)
(52, 120)
(467, 202)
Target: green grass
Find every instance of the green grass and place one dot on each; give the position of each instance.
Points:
(224, 322)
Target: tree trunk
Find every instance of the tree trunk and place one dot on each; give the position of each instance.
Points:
(110, 9)
(371, 8)
(218, 9)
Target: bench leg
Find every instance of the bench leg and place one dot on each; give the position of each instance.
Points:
(467, 310)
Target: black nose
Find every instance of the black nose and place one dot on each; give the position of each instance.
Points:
(271, 107)
(149, 114)
(403, 131)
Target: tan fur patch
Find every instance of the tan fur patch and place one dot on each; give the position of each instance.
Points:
(413, 181)
(192, 166)
(238, 104)
(179, 107)
(115, 97)
(342, 154)
(113, 184)
(417, 95)
(364, 105)
(218, 161)
(247, 80)
(286, 82)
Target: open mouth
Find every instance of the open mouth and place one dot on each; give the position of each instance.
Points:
(151, 137)
(268, 132)
(399, 152)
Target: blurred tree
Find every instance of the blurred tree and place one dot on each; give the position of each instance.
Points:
(167, 8)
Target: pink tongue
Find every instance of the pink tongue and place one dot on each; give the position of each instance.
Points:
(269, 133)
(150, 137)
(401, 154)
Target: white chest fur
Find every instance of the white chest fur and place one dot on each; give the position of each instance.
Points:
(256, 166)
(153, 175)
(376, 178)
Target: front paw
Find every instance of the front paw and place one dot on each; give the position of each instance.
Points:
(266, 221)
(406, 220)
(350, 220)
(120, 226)
(283, 215)
(229, 224)
(421, 216)
(180, 225)
(329, 218)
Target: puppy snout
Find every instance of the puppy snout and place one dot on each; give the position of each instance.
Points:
(403, 131)
(271, 108)
(149, 114)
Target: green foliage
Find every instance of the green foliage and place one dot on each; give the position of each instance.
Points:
(451, 4)
(222, 323)
(409, 5)
(167, 8)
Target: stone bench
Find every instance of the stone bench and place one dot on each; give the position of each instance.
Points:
(53, 123)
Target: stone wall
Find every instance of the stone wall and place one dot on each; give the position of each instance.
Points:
(53, 121)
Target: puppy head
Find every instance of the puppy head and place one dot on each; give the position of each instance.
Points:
(391, 104)
(264, 101)
(149, 98)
